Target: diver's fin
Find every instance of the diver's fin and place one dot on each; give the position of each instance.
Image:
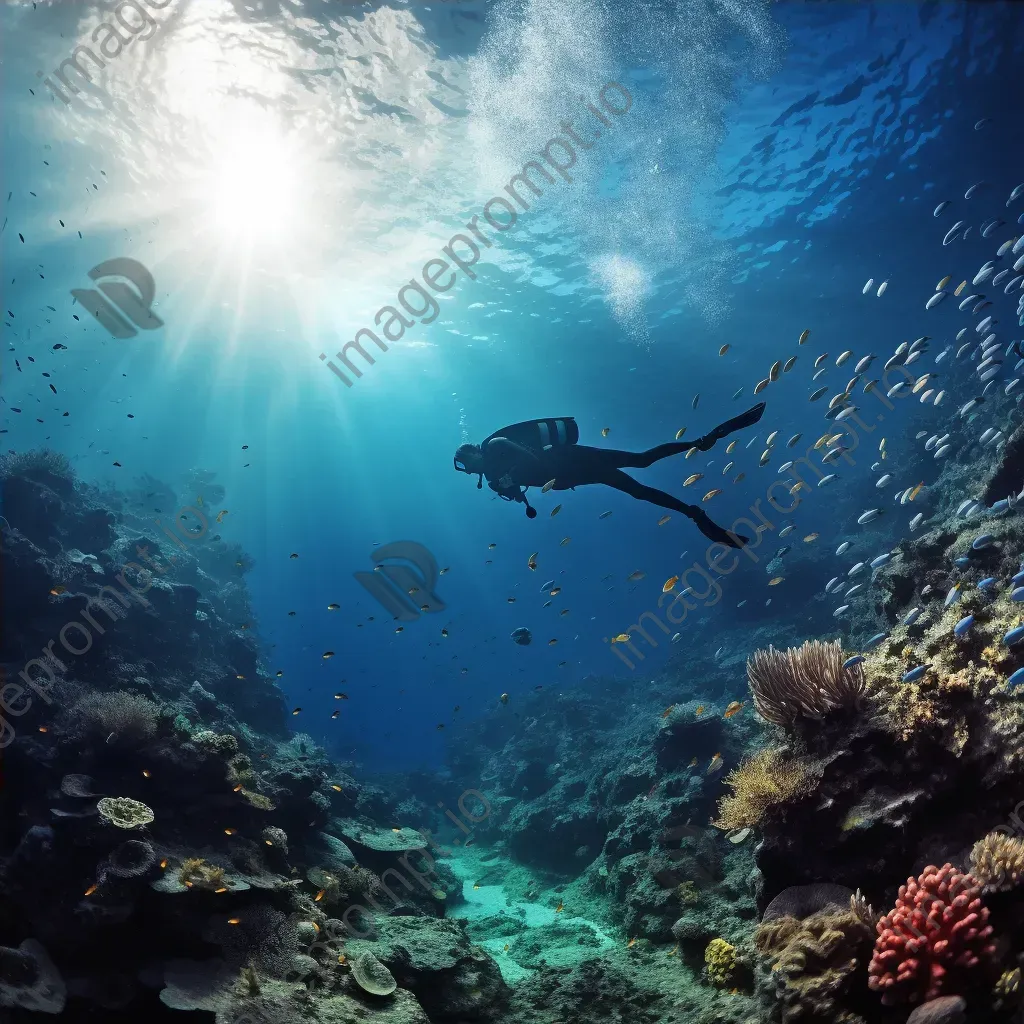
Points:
(712, 530)
(745, 419)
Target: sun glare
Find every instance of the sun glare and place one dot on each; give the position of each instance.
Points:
(254, 183)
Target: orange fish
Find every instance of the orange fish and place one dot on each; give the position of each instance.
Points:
(733, 709)
(775, 581)
(622, 638)
(699, 711)
(558, 909)
(92, 888)
(667, 711)
(669, 584)
(631, 944)
(916, 491)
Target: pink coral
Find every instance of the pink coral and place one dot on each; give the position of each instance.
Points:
(937, 932)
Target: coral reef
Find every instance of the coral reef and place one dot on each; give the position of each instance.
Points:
(997, 861)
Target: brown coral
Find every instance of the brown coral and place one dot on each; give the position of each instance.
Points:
(116, 717)
(807, 681)
(813, 962)
(997, 862)
(767, 779)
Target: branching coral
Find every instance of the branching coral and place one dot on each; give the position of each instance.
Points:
(765, 780)
(120, 716)
(937, 933)
(813, 961)
(807, 681)
(997, 861)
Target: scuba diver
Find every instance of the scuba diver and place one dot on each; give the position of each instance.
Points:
(537, 452)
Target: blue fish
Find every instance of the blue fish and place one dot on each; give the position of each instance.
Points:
(874, 641)
(1017, 678)
(1000, 506)
(988, 581)
(877, 563)
(963, 625)
(915, 673)
(962, 562)
(953, 596)
(982, 542)
(911, 616)
(1017, 595)
(1018, 580)
(855, 660)
(1014, 636)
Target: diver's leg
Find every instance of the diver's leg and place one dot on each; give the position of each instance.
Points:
(641, 460)
(623, 482)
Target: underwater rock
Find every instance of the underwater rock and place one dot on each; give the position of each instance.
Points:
(434, 959)
(29, 980)
(802, 901)
(944, 1010)
(375, 837)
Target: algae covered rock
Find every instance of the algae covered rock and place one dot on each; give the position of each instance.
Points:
(434, 959)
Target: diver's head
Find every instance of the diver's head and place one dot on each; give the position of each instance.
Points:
(469, 458)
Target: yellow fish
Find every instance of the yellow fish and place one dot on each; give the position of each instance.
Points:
(199, 501)
(692, 479)
(669, 584)
(622, 638)
(221, 514)
(605, 431)
(715, 765)
(663, 520)
(699, 711)
(558, 909)
(942, 284)
(811, 538)
(804, 335)
(712, 493)
(733, 709)
(775, 581)
(631, 943)
(723, 350)
(960, 287)
(796, 487)
(729, 447)
(556, 510)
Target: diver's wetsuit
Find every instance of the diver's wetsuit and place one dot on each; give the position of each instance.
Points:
(511, 467)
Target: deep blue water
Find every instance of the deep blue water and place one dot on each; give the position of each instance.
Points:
(282, 172)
